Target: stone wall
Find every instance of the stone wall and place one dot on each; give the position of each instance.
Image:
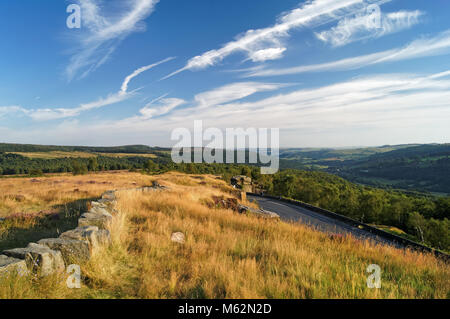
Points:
(53, 255)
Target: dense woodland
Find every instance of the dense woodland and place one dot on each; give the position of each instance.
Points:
(134, 149)
(12, 164)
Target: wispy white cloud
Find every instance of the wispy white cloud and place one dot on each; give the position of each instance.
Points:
(232, 92)
(266, 54)
(7, 110)
(161, 107)
(127, 80)
(396, 108)
(392, 108)
(366, 26)
(423, 47)
(45, 114)
(101, 35)
(266, 44)
(440, 75)
(372, 101)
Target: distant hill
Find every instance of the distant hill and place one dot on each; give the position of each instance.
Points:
(423, 167)
(134, 149)
(310, 155)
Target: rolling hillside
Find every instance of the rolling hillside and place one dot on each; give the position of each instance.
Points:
(423, 168)
(226, 254)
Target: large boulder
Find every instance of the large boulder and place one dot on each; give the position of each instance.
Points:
(39, 259)
(91, 234)
(9, 265)
(96, 216)
(72, 250)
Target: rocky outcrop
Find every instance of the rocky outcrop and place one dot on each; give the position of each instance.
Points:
(91, 234)
(39, 259)
(258, 212)
(52, 255)
(96, 216)
(9, 265)
(72, 250)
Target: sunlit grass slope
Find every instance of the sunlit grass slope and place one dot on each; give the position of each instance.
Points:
(227, 255)
(31, 195)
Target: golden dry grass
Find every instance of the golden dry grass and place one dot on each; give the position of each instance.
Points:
(227, 255)
(31, 195)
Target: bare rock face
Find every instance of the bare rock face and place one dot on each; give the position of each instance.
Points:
(96, 217)
(91, 234)
(39, 259)
(72, 250)
(178, 238)
(9, 265)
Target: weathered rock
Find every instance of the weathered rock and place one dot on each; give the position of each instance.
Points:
(227, 203)
(258, 212)
(109, 195)
(178, 237)
(111, 207)
(99, 210)
(158, 185)
(108, 203)
(98, 204)
(91, 234)
(72, 250)
(39, 259)
(9, 265)
(99, 217)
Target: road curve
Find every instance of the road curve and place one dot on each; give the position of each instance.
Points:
(292, 213)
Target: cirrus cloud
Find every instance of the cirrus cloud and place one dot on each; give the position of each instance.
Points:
(101, 35)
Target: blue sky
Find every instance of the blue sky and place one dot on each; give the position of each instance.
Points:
(326, 72)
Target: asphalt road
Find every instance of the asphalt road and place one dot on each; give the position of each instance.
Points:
(293, 213)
